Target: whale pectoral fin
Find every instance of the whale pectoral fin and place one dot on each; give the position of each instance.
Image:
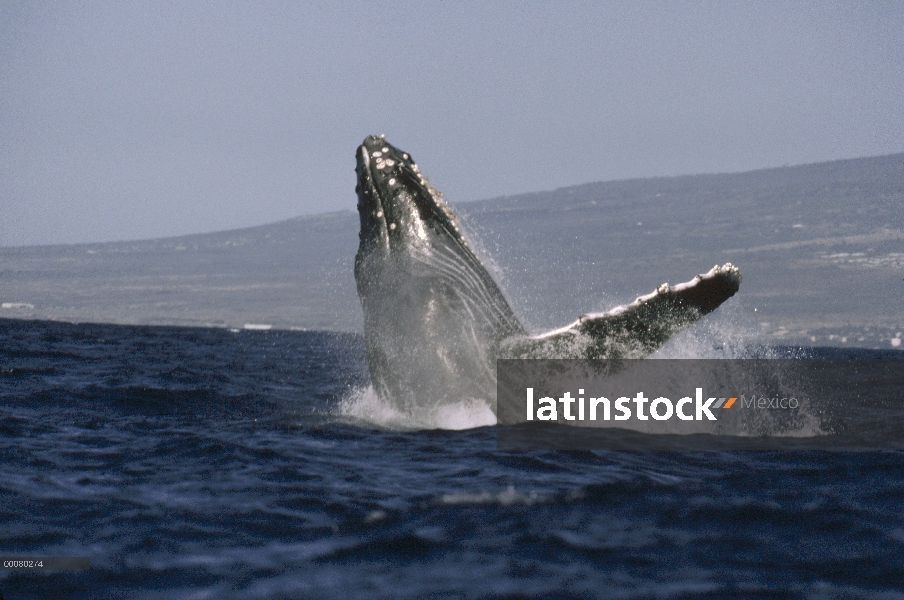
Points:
(633, 330)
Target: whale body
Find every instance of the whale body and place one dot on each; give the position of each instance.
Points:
(435, 321)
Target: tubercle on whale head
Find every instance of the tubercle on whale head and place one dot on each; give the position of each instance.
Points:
(397, 206)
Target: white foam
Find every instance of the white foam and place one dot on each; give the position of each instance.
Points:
(507, 497)
(465, 415)
(366, 408)
(363, 404)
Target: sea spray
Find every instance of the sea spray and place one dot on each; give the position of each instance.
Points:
(364, 407)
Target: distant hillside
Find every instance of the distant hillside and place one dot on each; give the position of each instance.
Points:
(821, 249)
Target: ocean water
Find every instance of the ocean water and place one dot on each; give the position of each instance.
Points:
(204, 463)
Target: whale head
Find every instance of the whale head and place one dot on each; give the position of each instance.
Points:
(399, 210)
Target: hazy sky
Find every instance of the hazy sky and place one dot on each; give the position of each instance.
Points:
(126, 120)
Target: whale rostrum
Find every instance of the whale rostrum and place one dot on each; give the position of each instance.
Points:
(435, 321)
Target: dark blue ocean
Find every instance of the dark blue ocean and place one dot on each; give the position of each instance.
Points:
(205, 463)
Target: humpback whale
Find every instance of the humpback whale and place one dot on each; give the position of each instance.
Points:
(435, 321)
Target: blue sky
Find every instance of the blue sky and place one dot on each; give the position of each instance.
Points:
(130, 120)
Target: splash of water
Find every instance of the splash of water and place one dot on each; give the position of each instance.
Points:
(363, 406)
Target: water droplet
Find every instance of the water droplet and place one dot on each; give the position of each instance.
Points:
(392, 225)
(379, 214)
